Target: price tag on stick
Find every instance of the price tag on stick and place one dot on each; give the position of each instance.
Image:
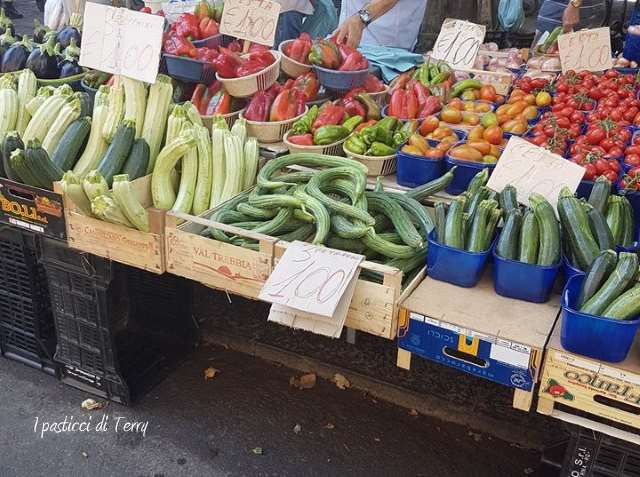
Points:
(458, 42)
(252, 20)
(121, 41)
(530, 168)
(588, 50)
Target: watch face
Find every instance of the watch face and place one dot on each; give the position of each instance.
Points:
(364, 16)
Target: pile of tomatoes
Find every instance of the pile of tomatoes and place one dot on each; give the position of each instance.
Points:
(631, 180)
(532, 85)
(632, 153)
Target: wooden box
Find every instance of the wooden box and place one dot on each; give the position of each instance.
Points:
(122, 244)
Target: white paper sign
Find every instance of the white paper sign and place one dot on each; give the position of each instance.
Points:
(458, 42)
(253, 20)
(586, 50)
(311, 278)
(530, 168)
(121, 41)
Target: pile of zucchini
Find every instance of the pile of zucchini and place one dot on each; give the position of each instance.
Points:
(531, 236)
(469, 222)
(601, 223)
(610, 287)
(331, 206)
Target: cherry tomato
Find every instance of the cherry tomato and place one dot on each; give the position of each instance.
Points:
(632, 159)
(595, 136)
(616, 152)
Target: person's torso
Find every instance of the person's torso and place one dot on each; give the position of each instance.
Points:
(592, 14)
(398, 28)
(302, 6)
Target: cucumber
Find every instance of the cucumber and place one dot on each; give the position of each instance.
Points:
(599, 195)
(529, 238)
(416, 211)
(599, 271)
(11, 142)
(453, 236)
(136, 164)
(508, 199)
(433, 187)
(615, 219)
(71, 143)
(384, 203)
(575, 223)
(621, 277)
(549, 230)
(116, 155)
(600, 228)
(507, 246)
(441, 218)
(626, 306)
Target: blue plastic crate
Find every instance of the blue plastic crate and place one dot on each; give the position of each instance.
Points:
(523, 281)
(413, 171)
(464, 173)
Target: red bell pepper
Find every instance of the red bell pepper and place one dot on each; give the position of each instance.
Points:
(206, 54)
(208, 27)
(329, 114)
(410, 106)
(287, 105)
(227, 63)
(299, 49)
(257, 47)
(219, 104)
(263, 57)
(345, 50)
(176, 45)
(399, 82)
(145, 10)
(187, 25)
(307, 84)
(353, 107)
(259, 107)
(373, 85)
(202, 96)
(301, 139)
(395, 103)
(431, 106)
(421, 92)
(249, 67)
(326, 54)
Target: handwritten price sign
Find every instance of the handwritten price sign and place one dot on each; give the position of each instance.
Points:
(530, 168)
(588, 50)
(458, 42)
(121, 41)
(311, 279)
(253, 20)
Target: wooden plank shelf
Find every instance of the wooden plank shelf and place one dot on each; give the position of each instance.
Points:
(479, 332)
(608, 391)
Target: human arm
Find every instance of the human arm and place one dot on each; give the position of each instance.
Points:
(350, 31)
(571, 15)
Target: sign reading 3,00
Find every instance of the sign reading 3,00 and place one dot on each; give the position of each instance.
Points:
(252, 20)
(458, 42)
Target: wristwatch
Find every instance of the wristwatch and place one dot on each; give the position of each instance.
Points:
(365, 16)
(576, 3)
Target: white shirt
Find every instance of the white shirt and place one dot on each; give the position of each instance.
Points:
(398, 28)
(302, 6)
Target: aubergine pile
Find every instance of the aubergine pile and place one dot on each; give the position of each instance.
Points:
(49, 54)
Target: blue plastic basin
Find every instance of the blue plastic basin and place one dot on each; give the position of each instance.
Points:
(464, 173)
(413, 171)
(523, 281)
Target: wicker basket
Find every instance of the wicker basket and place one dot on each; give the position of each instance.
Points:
(229, 118)
(377, 166)
(248, 85)
(269, 132)
(334, 149)
(291, 67)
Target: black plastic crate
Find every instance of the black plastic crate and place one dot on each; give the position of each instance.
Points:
(27, 331)
(591, 454)
(120, 329)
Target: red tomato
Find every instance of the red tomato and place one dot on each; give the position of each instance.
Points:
(616, 151)
(632, 159)
(595, 136)
(590, 172)
(611, 175)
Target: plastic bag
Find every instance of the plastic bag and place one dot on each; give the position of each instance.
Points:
(511, 14)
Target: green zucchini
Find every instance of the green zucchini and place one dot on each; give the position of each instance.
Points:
(529, 238)
(508, 199)
(621, 277)
(629, 230)
(615, 219)
(19, 167)
(599, 196)
(441, 218)
(138, 159)
(86, 103)
(453, 228)
(432, 187)
(477, 235)
(600, 228)
(117, 152)
(480, 195)
(507, 246)
(549, 249)
(71, 143)
(492, 223)
(37, 159)
(11, 142)
(626, 306)
(479, 180)
(599, 271)
(576, 225)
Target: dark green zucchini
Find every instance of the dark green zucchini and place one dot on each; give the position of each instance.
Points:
(599, 195)
(629, 229)
(441, 218)
(599, 271)
(615, 219)
(529, 238)
(575, 224)
(507, 246)
(11, 142)
(619, 280)
(433, 187)
(508, 199)
(600, 228)
(24, 174)
(136, 165)
(37, 160)
(118, 151)
(72, 142)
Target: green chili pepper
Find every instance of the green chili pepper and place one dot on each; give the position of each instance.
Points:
(329, 134)
(355, 144)
(352, 123)
(380, 149)
(460, 86)
(368, 134)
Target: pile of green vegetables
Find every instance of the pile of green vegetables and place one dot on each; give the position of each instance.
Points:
(382, 138)
(470, 221)
(331, 206)
(610, 288)
(601, 223)
(530, 236)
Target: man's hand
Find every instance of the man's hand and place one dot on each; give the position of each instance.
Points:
(570, 17)
(350, 32)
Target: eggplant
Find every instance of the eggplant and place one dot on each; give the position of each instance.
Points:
(67, 33)
(15, 58)
(6, 40)
(39, 31)
(42, 60)
(72, 50)
(69, 67)
(5, 23)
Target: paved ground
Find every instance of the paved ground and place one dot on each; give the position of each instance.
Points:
(214, 428)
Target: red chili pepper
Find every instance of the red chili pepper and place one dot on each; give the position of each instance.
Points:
(187, 26)
(354, 107)
(208, 27)
(301, 139)
(176, 45)
(329, 114)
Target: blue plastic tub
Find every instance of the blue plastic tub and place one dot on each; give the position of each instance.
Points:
(189, 70)
(464, 173)
(634, 200)
(453, 265)
(210, 42)
(631, 49)
(523, 281)
(413, 171)
(594, 336)
(340, 80)
(569, 270)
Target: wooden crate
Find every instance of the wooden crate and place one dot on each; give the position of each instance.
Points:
(214, 263)
(478, 331)
(606, 390)
(122, 244)
(374, 306)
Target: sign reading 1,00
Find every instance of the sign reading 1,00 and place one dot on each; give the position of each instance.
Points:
(458, 42)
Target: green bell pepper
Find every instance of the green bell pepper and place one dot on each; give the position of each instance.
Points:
(303, 125)
(368, 134)
(352, 123)
(356, 144)
(385, 129)
(329, 134)
(380, 149)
